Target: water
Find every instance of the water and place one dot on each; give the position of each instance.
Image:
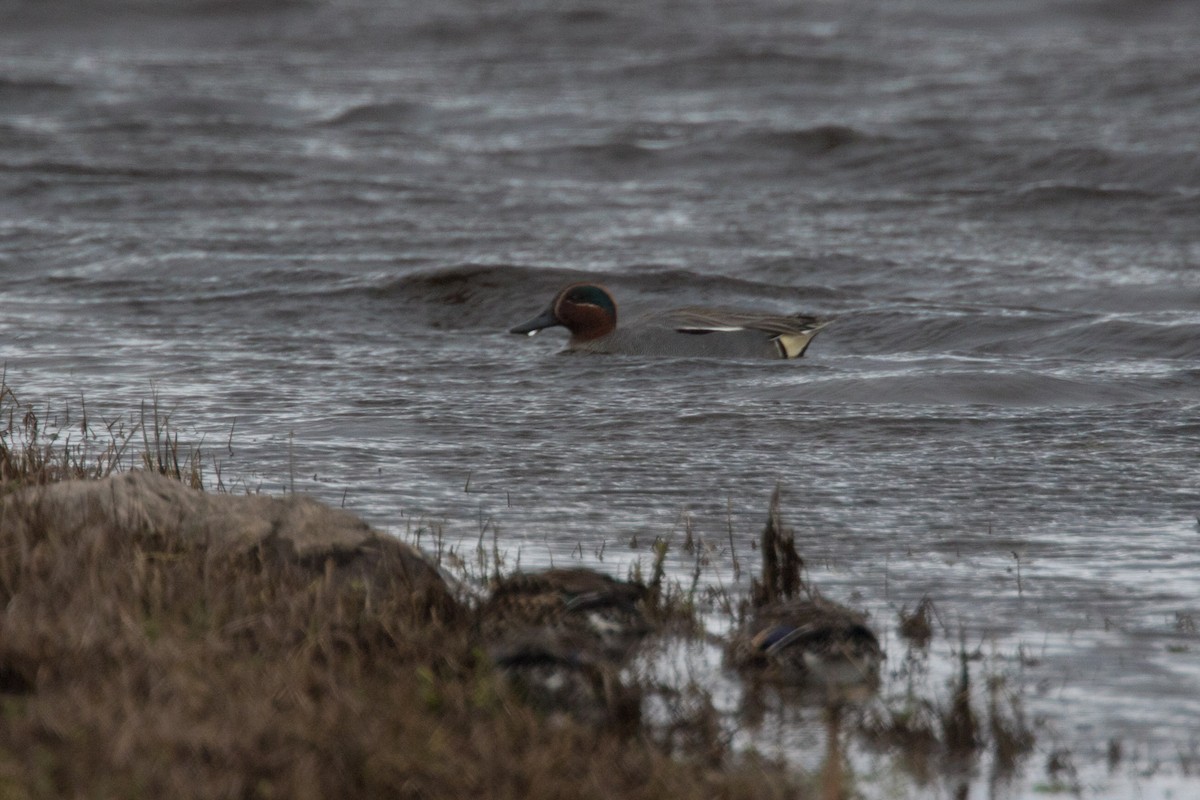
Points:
(311, 223)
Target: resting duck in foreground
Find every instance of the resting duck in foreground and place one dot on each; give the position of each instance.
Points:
(560, 637)
(579, 609)
(589, 312)
(814, 643)
(798, 638)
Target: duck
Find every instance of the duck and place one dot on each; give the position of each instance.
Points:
(560, 639)
(576, 611)
(810, 642)
(797, 638)
(563, 677)
(589, 312)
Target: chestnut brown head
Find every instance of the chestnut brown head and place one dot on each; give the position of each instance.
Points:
(585, 309)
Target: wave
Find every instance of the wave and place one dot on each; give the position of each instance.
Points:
(1104, 167)
(731, 61)
(991, 332)
(126, 172)
(818, 139)
(91, 14)
(1109, 338)
(224, 117)
(1058, 194)
(14, 90)
(1000, 386)
(1020, 174)
(496, 296)
(691, 149)
(390, 115)
(925, 155)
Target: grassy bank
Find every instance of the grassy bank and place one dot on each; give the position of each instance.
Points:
(134, 664)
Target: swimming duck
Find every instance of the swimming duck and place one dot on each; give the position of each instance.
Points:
(589, 312)
(576, 609)
(809, 641)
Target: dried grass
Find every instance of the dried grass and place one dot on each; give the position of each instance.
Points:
(137, 665)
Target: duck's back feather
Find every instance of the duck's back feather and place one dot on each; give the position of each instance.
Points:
(707, 332)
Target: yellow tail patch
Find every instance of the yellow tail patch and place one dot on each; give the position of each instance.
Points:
(793, 345)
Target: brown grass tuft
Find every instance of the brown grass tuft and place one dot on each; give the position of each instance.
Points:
(39, 448)
(917, 626)
(782, 565)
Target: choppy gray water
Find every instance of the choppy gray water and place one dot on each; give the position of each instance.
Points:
(314, 221)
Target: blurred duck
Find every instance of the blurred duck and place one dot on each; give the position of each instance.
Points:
(810, 642)
(559, 637)
(796, 637)
(580, 608)
(589, 312)
(559, 676)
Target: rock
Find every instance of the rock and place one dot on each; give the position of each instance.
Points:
(273, 532)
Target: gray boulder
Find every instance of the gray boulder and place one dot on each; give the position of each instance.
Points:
(293, 532)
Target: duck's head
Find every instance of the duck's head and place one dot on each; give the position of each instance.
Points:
(585, 309)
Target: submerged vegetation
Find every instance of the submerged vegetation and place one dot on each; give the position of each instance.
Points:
(138, 661)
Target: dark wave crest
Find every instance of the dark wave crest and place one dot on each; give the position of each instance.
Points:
(819, 140)
(937, 384)
(992, 332)
(497, 296)
(391, 115)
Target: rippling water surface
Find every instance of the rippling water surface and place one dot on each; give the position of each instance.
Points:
(312, 223)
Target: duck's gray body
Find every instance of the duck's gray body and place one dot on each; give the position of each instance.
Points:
(706, 333)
